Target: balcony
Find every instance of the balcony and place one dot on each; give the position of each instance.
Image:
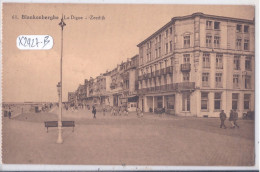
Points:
(185, 67)
(162, 72)
(157, 73)
(163, 87)
(172, 87)
(157, 88)
(140, 77)
(145, 76)
(169, 87)
(113, 86)
(169, 70)
(186, 86)
(152, 74)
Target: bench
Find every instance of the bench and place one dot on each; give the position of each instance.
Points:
(55, 124)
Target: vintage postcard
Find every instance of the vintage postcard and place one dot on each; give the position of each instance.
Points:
(128, 84)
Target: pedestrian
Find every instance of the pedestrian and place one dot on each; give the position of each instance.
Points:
(9, 113)
(231, 119)
(104, 110)
(120, 110)
(94, 111)
(112, 111)
(163, 111)
(222, 117)
(141, 112)
(235, 119)
(117, 111)
(126, 111)
(137, 111)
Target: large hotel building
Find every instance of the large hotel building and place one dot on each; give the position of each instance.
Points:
(197, 65)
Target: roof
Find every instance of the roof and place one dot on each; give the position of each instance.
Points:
(193, 16)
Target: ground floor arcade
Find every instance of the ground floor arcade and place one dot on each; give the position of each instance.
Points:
(200, 103)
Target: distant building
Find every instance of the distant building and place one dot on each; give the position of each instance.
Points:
(71, 97)
(198, 64)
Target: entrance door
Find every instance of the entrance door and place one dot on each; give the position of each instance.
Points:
(185, 101)
(115, 100)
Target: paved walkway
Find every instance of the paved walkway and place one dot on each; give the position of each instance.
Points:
(128, 140)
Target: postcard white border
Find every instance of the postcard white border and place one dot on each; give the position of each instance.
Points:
(11, 167)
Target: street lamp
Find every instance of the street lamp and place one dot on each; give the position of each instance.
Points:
(58, 89)
(59, 140)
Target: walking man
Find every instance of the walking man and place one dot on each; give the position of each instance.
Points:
(231, 119)
(235, 119)
(223, 117)
(94, 111)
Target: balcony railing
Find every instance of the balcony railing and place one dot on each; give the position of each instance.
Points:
(140, 77)
(145, 76)
(152, 74)
(186, 86)
(157, 73)
(169, 70)
(162, 72)
(163, 87)
(169, 87)
(157, 88)
(185, 67)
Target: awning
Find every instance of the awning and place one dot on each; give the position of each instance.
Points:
(133, 99)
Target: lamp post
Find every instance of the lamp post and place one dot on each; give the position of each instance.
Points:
(59, 140)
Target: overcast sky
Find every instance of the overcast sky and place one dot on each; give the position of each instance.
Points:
(90, 47)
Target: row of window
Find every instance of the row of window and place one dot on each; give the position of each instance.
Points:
(218, 98)
(209, 41)
(169, 46)
(219, 61)
(210, 24)
(216, 26)
(205, 62)
(239, 44)
(156, 66)
(240, 29)
(158, 39)
(218, 80)
(155, 82)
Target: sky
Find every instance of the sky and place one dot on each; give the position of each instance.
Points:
(90, 47)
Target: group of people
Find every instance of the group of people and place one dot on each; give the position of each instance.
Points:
(233, 117)
(114, 111)
(117, 111)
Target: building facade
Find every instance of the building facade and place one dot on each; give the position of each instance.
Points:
(117, 87)
(197, 65)
(71, 97)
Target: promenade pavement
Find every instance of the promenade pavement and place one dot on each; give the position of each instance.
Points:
(127, 140)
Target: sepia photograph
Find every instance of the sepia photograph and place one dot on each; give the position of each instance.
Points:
(128, 84)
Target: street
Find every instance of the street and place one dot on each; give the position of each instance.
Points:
(127, 140)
